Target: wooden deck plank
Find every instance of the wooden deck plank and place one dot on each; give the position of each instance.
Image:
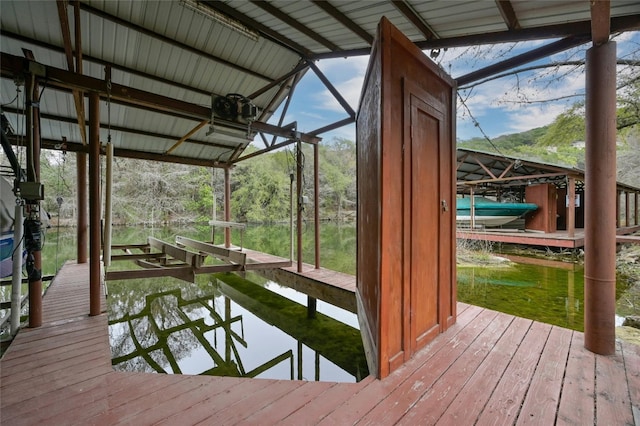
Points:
(612, 392)
(578, 390)
(434, 402)
(469, 403)
(61, 373)
(204, 392)
(504, 404)
(631, 354)
(278, 410)
(441, 354)
(541, 403)
(237, 413)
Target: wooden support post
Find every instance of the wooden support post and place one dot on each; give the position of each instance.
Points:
(316, 203)
(618, 209)
(83, 217)
(312, 303)
(34, 262)
(600, 191)
(627, 211)
(299, 204)
(227, 206)
(94, 204)
(635, 209)
(571, 206)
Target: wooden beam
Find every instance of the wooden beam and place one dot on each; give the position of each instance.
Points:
(600, 21)
(187, 136)
(506, 179)
(192, 259)
(185, 273)
(219, 252)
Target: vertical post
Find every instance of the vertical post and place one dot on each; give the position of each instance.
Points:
(600, 197)
(32, 223)
(291, 230)
(83, 220)
(16, 277)
(635, 208)
(571, 206)
(227, 206)
(214, 207)
(300, 205)
(472, 204)
(94, 204)
(627, 211)
(106, 256)
(316, 203)
(617, 208)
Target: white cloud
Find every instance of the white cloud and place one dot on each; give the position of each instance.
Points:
(533, 116)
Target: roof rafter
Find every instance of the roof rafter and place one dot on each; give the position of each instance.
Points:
(416, 20)
(269, 8)
(257, 26)
(13, 65)
(340, 17)
(618, 24)
(90, 9)
(63, 17)
(508, 14)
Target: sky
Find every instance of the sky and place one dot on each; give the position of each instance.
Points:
(502, 106)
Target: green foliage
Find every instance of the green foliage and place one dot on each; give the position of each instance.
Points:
(566, 129)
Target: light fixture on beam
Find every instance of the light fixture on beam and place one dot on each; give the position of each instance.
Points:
(220, 18)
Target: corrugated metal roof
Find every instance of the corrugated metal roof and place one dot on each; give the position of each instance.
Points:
(171, 49)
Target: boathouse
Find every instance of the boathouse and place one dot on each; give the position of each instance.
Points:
(195, 82)
(558, 191)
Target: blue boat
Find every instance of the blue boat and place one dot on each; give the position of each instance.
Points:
(489, 212)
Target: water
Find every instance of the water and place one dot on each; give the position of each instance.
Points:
(237, 325)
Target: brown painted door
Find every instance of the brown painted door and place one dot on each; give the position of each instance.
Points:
(406, 230)
(423, 209)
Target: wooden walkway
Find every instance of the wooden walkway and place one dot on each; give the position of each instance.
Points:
(489, 368)
(559, 239)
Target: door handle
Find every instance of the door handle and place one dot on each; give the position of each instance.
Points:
(445, 206)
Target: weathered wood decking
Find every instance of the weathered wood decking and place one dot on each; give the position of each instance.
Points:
(489, 368)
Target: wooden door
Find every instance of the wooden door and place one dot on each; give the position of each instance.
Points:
(406, 228)
(423, 212)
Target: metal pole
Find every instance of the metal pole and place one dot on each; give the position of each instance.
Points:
(627, 211)
(94, 204)
(635, 209)
(214, 206)
(106, 257)
(83, 221)
(600, 200)
(227, 206)
(300, 206)
(316, 203)
(16, 277)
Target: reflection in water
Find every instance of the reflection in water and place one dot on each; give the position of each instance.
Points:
(225, 327)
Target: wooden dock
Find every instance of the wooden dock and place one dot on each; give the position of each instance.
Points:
(489, 368)
(560, 239)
